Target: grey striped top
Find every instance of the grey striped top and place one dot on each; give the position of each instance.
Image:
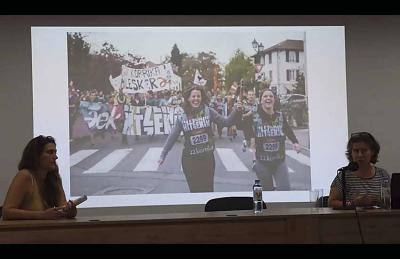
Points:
(356, 185)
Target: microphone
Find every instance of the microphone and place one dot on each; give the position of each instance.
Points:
(76, 202)
(80, 200)
(352, 166)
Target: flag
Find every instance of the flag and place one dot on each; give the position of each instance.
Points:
(116, 82)
(198, 79)
(260, 76)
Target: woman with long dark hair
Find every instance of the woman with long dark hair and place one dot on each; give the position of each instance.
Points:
(198, 161)
(36, 191)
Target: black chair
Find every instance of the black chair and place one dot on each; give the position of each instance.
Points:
(395, 191)
(322, 202)
(230, 203)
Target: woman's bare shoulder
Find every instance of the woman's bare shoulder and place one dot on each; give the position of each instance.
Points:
(24, 176)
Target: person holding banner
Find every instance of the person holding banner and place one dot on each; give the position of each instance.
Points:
(270, 129)
(36, 192)
(198, 161)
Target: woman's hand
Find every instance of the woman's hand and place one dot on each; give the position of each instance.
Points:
(160, 162)
(366, 200)
(53, 213)
(238, 106)
(70, 210)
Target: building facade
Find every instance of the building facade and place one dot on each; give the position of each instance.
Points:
(281, 64)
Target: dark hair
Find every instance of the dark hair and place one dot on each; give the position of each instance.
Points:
(186, 104)
(277, 104)
(31, 161)
(366, 138)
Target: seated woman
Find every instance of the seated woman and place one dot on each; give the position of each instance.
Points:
(36, 191)
(363, 186)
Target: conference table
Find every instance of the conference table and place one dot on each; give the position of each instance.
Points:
(275, 225)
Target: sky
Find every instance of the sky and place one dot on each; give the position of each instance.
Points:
(155, 43)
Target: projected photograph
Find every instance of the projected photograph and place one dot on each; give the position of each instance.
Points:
(126, 93)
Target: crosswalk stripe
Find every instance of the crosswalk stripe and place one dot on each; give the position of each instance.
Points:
(299, 157)
(109, 162)
(149, 162)
(231, 161)
(80, 155)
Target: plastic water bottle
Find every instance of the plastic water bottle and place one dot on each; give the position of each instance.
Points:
(385, 194)
(257, 197)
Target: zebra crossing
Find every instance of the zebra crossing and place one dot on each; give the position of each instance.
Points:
(305, 160)
(81, 155)
(109, 162)
(149, 160)
(230, 160)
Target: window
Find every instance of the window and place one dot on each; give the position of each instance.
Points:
(292, 56)
(270, 57)
(270, 75)
(291, 75)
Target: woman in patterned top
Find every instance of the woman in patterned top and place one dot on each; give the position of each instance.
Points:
(363, 186)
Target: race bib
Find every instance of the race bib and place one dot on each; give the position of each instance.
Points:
(271, 146)
(199, 139)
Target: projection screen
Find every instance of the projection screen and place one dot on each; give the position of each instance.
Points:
(85, 80)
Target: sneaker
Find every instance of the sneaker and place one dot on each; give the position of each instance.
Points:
(244, 146)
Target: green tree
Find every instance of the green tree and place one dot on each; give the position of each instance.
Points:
(204, 62)
(176, 58)
(240, 67)
(300, 86)
(78, 59)
(104, 63)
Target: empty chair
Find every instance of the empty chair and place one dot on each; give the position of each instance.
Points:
(322, 202)
(230, 203)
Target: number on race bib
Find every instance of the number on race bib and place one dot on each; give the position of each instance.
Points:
(271, 146)
(199, 139)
